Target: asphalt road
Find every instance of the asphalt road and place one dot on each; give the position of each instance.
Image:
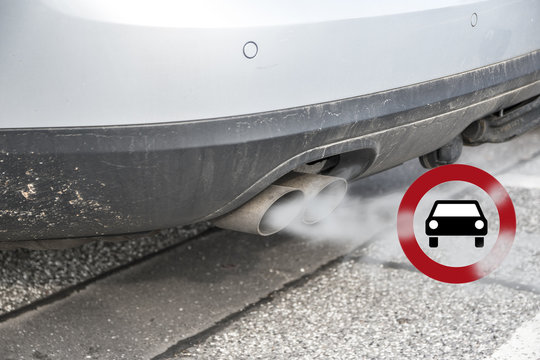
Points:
(342, 289)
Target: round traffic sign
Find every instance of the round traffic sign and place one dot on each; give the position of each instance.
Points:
(426, 182)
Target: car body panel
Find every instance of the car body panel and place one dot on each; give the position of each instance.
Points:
(92, 181)
(66, 63)
(127, 116)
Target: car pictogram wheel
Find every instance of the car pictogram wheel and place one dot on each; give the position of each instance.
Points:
(479, 242)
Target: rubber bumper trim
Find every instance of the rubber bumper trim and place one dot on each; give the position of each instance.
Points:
(92, 181)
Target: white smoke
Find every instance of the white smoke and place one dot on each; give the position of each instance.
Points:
(353, 222)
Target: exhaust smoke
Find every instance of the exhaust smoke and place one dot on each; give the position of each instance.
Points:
(356, 220)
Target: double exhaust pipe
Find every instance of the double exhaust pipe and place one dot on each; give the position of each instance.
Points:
(311, 196)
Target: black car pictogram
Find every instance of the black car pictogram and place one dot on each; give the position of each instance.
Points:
(456, 218)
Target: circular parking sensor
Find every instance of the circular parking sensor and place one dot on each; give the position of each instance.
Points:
(250, 49)
(433, 224)
(474, 19)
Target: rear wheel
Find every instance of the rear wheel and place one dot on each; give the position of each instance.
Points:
(433, 242)
(479, 242)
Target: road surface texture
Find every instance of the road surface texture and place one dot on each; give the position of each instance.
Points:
(342, 289)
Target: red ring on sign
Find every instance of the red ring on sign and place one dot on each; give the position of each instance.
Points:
(451, 274)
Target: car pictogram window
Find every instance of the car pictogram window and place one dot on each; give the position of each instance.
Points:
(459, 209)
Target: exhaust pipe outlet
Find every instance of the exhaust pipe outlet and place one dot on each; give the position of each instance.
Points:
(323, 193)
(267, 213)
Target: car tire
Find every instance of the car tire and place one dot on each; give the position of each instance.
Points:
(433, 242)
(479, 242)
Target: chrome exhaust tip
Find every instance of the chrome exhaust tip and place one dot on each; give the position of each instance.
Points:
(323, 193)
(267, 213)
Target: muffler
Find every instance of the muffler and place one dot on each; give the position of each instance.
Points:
(323, 193)
(267, 213)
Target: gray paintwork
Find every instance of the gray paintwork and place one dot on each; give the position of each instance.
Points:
(70, 63)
